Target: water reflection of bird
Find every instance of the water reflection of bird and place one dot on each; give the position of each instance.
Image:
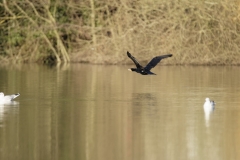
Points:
(7, 98)
(208, 107)
(146, 70)
(143, 99)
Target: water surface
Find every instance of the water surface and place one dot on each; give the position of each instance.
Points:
(97, 112)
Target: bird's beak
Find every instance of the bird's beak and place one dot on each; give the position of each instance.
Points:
(129, 69)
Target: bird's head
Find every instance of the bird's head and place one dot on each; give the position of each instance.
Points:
(132, 69)
(207, 99)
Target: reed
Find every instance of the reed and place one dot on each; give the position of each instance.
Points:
(195, 32)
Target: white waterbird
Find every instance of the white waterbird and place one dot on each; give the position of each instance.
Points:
(8, 98)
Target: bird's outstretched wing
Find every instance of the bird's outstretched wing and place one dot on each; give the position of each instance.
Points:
(134, 60)
(155, 61)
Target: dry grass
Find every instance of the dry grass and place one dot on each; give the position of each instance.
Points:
(195, 32)
(198, 33)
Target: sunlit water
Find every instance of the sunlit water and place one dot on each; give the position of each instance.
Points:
(97, 112)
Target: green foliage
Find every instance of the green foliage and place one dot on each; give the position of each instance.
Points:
(60, 13)
(16, 39)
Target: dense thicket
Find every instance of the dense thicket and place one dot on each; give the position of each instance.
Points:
(101, 31)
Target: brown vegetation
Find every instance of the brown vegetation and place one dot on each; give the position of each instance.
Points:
(195, 32)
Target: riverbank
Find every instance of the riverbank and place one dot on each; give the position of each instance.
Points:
(196, 33)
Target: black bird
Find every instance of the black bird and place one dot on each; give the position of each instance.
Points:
(146, 70)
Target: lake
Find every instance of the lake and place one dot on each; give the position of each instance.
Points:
(98, 112)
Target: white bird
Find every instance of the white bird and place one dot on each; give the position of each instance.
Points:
(209, 105)
(7, 98)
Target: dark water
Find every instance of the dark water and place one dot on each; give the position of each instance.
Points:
(97, 112)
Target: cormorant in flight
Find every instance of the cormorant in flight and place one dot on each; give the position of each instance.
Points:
(146, 70)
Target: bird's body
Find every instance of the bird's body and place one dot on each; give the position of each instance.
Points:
(146, 70)
(7, 98)
(209, 105)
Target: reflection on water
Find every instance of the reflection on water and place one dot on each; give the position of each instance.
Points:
(208, 112)
(5, 110)
(94, 112)
(140, 99)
